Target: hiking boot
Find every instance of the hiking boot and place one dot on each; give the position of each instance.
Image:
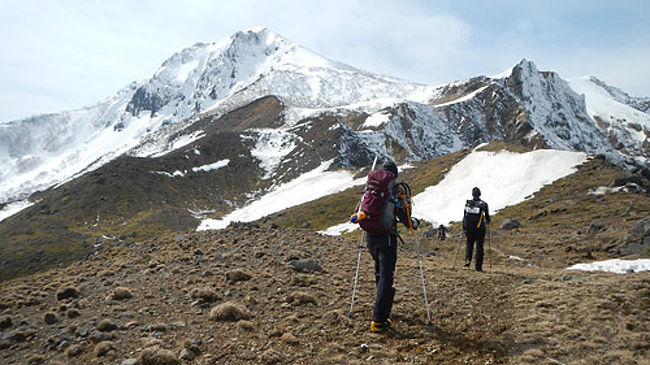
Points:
(467, 262)
(479, 269)
(380, 326)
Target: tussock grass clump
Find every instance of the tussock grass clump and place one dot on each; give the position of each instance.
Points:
(237, 275)
(229, 311)
(50, 318)
(66, 292)
(301, 298)
(106, 326)
(73, 313)
(289, 338)
(204, 294)
(36, 359)
(5, 322)
(120, 293)
(152, 342)
(247, 326)
(103, 348)
(157, 356)
(73, 350)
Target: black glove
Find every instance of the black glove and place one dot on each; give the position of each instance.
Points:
(415, 223)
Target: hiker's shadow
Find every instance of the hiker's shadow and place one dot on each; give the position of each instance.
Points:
(458, 340)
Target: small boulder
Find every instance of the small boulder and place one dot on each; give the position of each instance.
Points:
(510, 224)
(595, 226)
(20, 334)
(157, 327)
(186, 355)
(305, 265)
(640, 233)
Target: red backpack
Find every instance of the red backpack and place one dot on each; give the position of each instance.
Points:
(378, 202)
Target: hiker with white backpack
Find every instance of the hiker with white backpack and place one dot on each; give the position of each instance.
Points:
(476, 218)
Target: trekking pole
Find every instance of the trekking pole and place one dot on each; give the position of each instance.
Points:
(489, 244)
(363, 236)
(460, 241)
(424, 287)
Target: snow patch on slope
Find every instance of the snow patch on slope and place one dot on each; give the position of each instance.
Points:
(505, 178)
(13, 208)
(307, 187)
(271, 147)
(617, 266)
(463, 98)
(376, 120)
(211, 167)
(339, 229)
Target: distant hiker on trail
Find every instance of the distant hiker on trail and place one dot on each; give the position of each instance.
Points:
(383, 203)
(442, 232)
(475, 220)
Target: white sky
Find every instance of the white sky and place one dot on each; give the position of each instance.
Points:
(64, 54)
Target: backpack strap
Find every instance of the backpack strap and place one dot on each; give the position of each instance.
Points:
(401, 239)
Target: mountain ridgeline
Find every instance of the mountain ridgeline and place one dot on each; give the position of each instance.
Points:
(133, 166)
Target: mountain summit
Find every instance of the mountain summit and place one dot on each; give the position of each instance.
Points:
(45, 150)
(372, 113)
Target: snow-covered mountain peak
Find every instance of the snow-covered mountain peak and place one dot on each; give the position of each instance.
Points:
(524, 66)
(207, 80)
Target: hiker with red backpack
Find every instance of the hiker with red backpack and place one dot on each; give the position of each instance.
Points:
(476, 217)
(384, 202)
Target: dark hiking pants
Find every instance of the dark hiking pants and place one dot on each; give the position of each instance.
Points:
(383, 249)
(477, 236)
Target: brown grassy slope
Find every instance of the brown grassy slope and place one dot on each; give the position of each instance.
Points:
(511, 314)
(555, 222)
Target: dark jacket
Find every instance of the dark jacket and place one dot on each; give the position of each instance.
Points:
(476, 215)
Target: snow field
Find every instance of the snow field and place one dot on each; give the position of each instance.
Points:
(307, 187)
(505, 178)
(617, 266)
